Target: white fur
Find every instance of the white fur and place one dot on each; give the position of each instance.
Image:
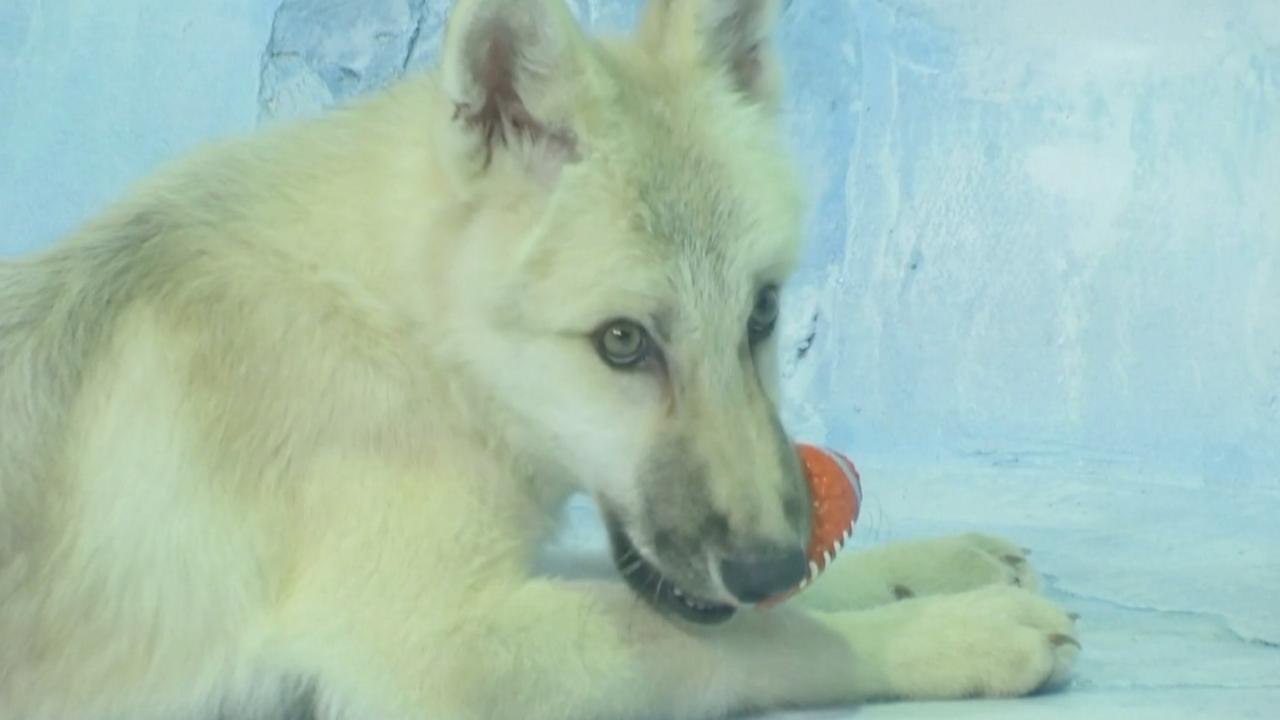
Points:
(298, 412)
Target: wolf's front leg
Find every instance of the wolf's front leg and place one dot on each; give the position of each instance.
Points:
(565, 650)
(592, 650)
(917, 568)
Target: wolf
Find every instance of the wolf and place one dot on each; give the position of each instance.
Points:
(292, 419)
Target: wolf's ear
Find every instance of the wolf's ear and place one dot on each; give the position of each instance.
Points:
(733, 36)
(510, 68)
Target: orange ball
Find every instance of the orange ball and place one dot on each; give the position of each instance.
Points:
(835, 489)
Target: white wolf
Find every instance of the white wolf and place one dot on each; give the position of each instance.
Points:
(295, 416)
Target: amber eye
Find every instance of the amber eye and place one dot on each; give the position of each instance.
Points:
(764, 315)
(623, 344)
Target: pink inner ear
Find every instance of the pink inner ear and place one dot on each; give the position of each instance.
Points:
(737, 34)
(494, 64)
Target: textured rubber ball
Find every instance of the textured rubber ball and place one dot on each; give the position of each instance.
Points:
(835, 489)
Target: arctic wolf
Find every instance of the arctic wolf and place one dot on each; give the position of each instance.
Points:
(295, 416)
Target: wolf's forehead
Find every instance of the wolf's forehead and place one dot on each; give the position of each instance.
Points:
(684, 206)
(709, 224)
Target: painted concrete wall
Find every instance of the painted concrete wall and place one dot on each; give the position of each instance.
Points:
(1040, 229)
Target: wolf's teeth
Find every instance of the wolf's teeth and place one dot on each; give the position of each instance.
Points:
(826, 558)
(848, 533)
(813, 569)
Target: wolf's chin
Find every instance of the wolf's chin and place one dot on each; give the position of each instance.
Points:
(648, 582)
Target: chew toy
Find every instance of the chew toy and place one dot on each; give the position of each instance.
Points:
(836, 491)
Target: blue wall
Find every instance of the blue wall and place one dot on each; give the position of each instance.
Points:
(1043, 231)
(93, 95)
(1047, 229)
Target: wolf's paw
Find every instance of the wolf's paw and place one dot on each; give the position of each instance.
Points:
(997, 641)
(959, 563)
(921, 568)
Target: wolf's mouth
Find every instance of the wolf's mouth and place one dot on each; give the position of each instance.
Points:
(649, 583)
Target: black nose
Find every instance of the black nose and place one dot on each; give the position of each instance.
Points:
(763, 573)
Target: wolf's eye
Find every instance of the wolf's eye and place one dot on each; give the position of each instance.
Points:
(764, 315)
(623, 344)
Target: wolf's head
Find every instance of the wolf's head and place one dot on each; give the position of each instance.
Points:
(634, 217)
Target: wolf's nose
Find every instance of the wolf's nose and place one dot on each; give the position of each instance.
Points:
(763, 573)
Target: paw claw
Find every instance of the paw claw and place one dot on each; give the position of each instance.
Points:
(902, 592)
(996, 641)
(1059, 639)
